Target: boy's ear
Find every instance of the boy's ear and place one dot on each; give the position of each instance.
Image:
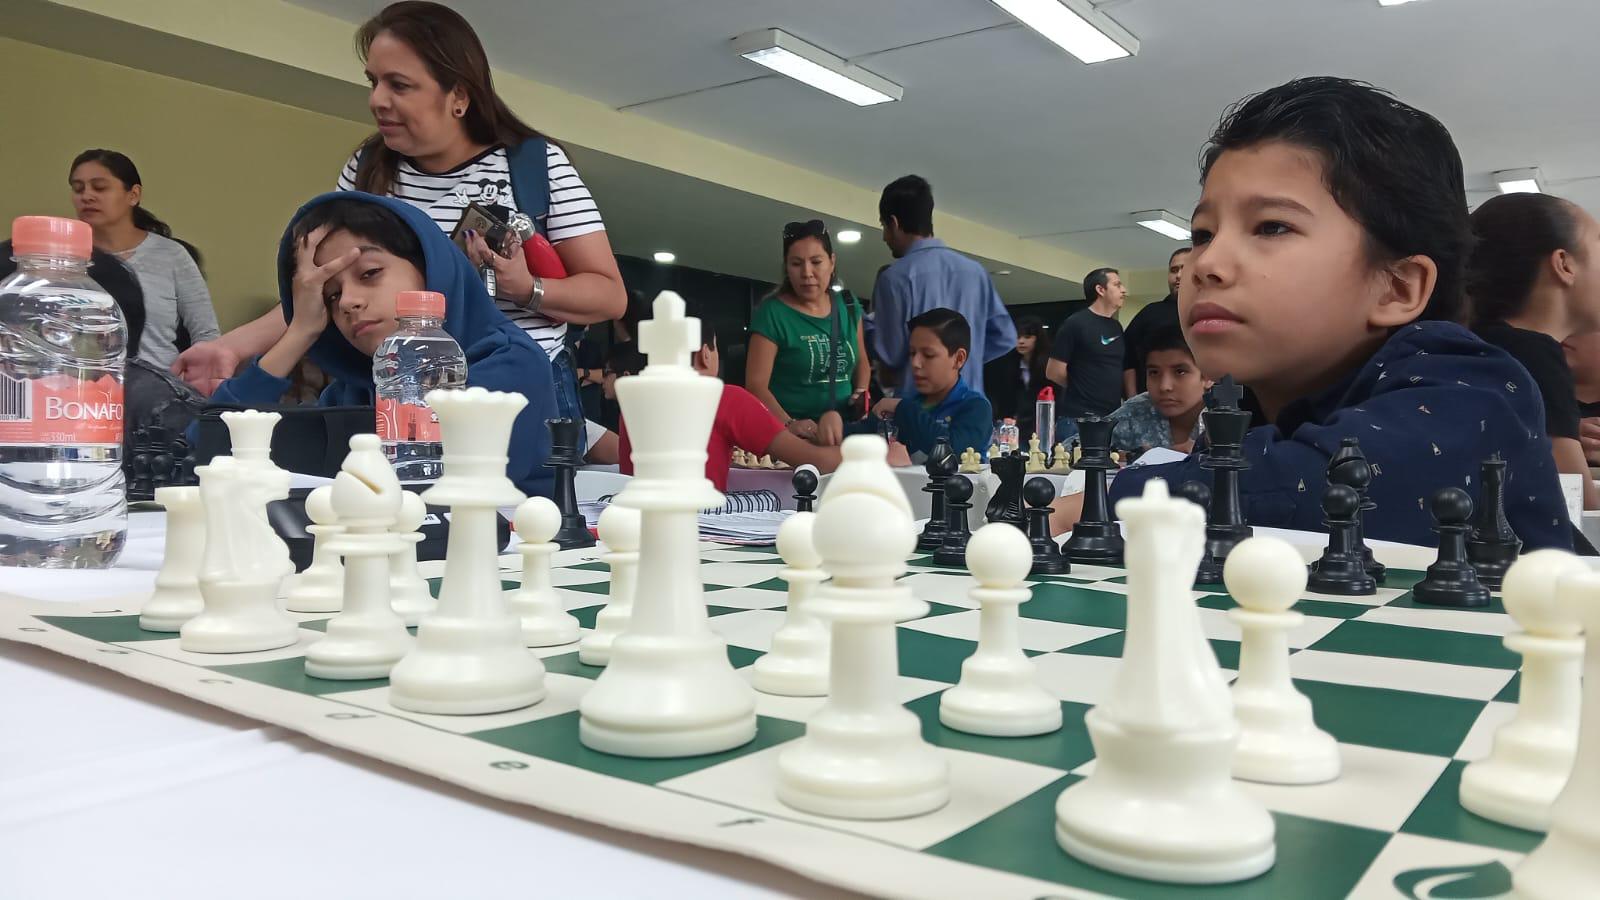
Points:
(1561, 263)
(960, 357)
(1407, 284)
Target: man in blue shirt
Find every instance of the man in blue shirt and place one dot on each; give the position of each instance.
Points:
(927, 275)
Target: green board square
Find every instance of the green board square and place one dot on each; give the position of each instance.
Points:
(1316, 859)
(107, 629)
(1111, 645)
(1512, 692)
(1440, 815)
(290, 675)
(1402, 578)
(932, 656)
(1066, 748)
(1326, 609)
(1425, 644)
(604, 587)
(1077, 606)
(1406, 601)
(556, 739)
(942, 609)
(434, 583)
(568, 664)
(1396, 720)
(771, 584)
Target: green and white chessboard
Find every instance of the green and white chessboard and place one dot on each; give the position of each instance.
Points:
(1410, 693)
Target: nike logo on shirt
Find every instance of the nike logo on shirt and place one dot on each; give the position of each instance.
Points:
(1106, 341)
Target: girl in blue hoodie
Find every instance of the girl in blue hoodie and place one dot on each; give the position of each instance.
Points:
(344, 258)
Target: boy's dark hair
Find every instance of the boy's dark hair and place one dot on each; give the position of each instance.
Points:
(1166, 337)
(950, 326)
(1390, 166)
(909, 199)
(1099, 278)
(1515, 234)
(368, 220)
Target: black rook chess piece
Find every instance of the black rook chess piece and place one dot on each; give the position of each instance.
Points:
(1493, 546)
(1451, 581)
(1349, 466)
(942, 464)
(1096, 539)
(1047, 558)
(1006, 504)
(805, 489)
(1341, 569)
(564, 460)
(957, 500)
(1226, 425)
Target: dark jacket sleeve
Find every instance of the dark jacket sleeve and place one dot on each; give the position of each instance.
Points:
(253, 386)
(497, 362)
(970, 425)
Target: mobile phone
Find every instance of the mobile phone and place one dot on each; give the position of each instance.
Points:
(479, 218)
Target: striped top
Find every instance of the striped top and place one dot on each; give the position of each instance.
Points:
(486, 180)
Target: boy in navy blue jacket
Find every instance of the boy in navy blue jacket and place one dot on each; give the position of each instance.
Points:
(344, 258)
(1329, 246)
(939, 401)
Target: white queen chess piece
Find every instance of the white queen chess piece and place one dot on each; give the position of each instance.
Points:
(669, 689)
(177, 596)
(408, 590)
(1161, 803)
(469, 658)
(797, 664)
(250, 437)
(619, 531)
(320, 588)
(544, 622)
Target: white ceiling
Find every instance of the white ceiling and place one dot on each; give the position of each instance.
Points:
(1018, 135)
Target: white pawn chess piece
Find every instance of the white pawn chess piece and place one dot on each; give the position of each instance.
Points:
(1567, 864)
(250, 440)
(999, 692)
(239, 576)
(367, 637)
(619, 531)
(469, 658)
(320, 588)
(863, 755)
(408, 590)
(1279, 741)
(797, 663)
(1161, 803)
(177, 596)
(1532, 755)
(544, 622)
(864, 467)
(1060, 464)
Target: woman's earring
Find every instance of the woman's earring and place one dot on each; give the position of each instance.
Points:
(461, 111)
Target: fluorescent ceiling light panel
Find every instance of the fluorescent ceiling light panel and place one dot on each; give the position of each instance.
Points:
(849, 236)
(1395, 2)
(666, 256)
(1519, 181)
(1075, 26)
(1163, 223)
(786, 54)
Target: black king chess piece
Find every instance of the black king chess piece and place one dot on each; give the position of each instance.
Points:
(1047, 558)
(1493, 546)
(1096, 539)
(804, 482)
(941, 464)
(957, 500)
(1006, 504)
(1349, 466)
(1226, 425)
(564, 460)
(1451, 581)
(1341, 570)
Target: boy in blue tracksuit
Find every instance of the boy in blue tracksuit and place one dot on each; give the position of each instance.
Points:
(344, 258)
(939, 401)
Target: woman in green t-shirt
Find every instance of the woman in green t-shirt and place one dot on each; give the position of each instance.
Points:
(793, 363)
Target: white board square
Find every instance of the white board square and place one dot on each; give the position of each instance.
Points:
(562, 693)
(1035, 634)
(1417, 676)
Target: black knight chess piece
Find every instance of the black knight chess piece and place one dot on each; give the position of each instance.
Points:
(1492, 546)
(564, 460)
(957, 501)
(1451, 580)
(1225, 427)
(1341, 570)
(1006, 504)
(1096, 539)
(1047, 558)
(1349, 466)
(941, 465)
(804, 482)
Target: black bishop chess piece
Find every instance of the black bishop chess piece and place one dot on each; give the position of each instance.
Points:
(1047, 558)
(957, 501)
(1006, 504)
(1492, 546)
(804, 482)
(1341, 570)
(1225, 426)
(1349, 466)
(1096, 539)
(941, 465)
(564, 460)
(1451, 580)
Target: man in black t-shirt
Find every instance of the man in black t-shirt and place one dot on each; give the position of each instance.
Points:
(1087, 356)
(1155, 318)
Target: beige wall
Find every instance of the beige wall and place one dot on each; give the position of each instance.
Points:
(225, 170)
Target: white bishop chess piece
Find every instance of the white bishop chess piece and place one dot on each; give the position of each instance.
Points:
(469, 658)
(544, 622)
(367, 637)
(619, 531)
(320, 588)
(1279, 741)
(864, 467)
(1532, 754)
(797, 664)
(177, 596)
(250, 437)
(1161, 803)
(669, 689)
(408, 589)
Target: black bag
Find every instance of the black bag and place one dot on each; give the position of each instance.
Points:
(311, 440)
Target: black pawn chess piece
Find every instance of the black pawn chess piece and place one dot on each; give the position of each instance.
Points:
(1226, 426)
(805, 490)
(1349, 466)
(1493, 546)
(941, 465)
(957, 500)
(1047, 558)
(563, 459)
(1006, 504)
(138, 474)
(1096, 539)
(1341, 570)
(1195, 492)
(1451, 580)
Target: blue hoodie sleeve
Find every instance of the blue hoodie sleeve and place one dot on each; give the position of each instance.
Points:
(254, 386)
(1000, 336)
(970, 424)
(500, 362)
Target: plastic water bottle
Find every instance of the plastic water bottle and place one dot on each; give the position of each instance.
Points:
(419, 357)
(1010, 437)
(62, 349)
(1044, 419)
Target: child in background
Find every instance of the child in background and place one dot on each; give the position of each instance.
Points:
(937, 400)
(1329, 245)
(1168, 413)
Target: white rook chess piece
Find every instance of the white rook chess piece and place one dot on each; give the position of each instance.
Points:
(544, 622)
(863, 756)
(999, 692)
(797, 663)
(239, 575)
(367, 637)
(469, 658)
(250, 437)
(1279, 741)
(1161, 803)
(1567, 864)
(320, 588)
(864, 466)
(619, 531)
(1532, 754)
(669, 689)
(177, 596)
(408, 590)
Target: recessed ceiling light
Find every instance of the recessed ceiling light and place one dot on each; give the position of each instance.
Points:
(786, 54)
(1395, 2)
(1163, 223)
(1075, 26)
(666, 256)
(1519, 181)
(849, 236)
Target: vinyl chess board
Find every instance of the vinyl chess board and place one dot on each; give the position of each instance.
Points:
(1411, 693)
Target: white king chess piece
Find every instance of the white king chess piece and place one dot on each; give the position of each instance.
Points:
(320, 588)
(177, 596)
(669, 689)
(250, 436)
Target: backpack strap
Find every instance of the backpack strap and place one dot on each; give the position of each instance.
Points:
(530, 179)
